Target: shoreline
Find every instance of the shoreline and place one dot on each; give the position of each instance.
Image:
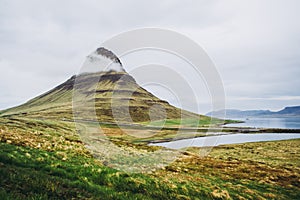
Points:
(240, 130)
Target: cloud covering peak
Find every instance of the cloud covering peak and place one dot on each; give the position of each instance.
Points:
(103, 60)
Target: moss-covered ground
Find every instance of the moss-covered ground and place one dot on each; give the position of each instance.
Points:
(46, 159)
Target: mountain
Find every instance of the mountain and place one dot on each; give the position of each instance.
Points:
(234, 113)
(294, 110)
(112, 94)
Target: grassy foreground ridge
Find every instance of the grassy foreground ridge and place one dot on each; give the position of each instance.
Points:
(45, 159)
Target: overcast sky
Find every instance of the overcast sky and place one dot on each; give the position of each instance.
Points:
(255, 44)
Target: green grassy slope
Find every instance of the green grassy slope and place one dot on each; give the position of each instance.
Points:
(37, 174)
(114, 89)
(45, 159)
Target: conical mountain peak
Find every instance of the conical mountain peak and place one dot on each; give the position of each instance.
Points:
(103, 60)
(105, 87)
(108, 54)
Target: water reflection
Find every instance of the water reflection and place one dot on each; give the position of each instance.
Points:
(288, 122)
(227, 139)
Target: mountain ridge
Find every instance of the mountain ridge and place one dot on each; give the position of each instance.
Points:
(289, 111)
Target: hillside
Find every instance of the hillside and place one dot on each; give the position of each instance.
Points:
(293, 111)
(113, 88)
(45, 159)
(290, 111)
(105, 94)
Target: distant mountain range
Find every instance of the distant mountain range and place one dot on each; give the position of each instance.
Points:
(293, 111)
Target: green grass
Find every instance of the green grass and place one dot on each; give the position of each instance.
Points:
(186, 122)
(203, 121)
(45, 159)
(35, 174)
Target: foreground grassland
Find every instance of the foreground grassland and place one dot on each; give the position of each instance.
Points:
(41, 159)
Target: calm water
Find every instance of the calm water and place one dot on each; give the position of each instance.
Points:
(227, 139)
(287, 122)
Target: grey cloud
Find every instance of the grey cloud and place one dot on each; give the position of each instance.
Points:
(255, 44)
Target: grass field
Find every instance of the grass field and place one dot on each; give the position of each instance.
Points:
(43, 159)
(190, 122)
